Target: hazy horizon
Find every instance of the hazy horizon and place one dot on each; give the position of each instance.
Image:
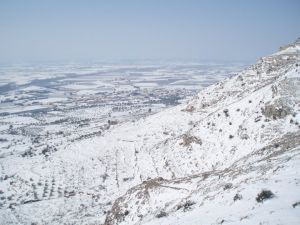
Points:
(117, 31)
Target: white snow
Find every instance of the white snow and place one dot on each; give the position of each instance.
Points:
(188, 161)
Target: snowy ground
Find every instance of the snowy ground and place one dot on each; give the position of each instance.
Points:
(227, 155)
(51, 119)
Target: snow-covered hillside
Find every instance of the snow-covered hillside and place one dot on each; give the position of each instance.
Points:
(204, 162)
(207, 162)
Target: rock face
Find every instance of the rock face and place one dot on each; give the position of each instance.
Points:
(237, 161)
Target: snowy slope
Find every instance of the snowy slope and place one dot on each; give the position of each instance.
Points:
(236, 137)
(203, 162)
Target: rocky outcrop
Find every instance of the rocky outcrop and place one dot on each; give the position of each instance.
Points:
(278, 109)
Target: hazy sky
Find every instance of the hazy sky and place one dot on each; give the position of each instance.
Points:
(145, 29)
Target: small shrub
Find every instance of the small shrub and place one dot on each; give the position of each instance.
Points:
(69, 194)
(231, 136)
(105, 176)
(257, 119)
(12, 205)
(3, 140)
(161, 214)
(126, 213)
(186, 206)
(120, 216)
(276, 145)
(112, 122)
(28, 153)
(221, 221)
(237, 197)
(264, 195)
(296, 204)
(226, 112)
(227, 186)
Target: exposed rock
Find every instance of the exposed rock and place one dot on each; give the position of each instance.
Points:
(278, 109)
(187, 140)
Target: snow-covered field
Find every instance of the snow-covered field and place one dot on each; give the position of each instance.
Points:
(90, 151)
(52, 118)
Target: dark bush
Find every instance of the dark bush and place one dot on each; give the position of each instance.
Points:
(161, 214)
(227, 186)
(120, 216)
(112, 122)
(226, 112)
(28, 153)
(237, 197)
(296, 204)
(186, 206)
(264, 195)
(126, 213)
